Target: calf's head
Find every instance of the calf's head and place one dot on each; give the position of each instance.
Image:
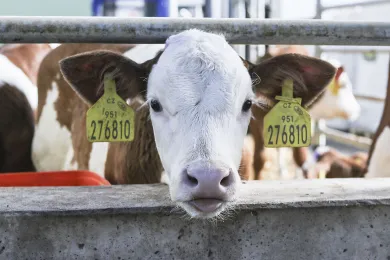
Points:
(199, 92)
(338, 101)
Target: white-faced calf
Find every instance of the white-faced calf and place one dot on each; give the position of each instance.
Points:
(199, 97)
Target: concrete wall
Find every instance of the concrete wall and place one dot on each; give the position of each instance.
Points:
(331, 219)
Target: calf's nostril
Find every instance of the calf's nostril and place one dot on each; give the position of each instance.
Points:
(192, 180)
(226, 181)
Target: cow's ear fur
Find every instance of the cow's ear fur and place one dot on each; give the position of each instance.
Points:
(310, 76)
(85, 73)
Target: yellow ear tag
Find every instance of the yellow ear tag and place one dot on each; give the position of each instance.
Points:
(334, 87)
(110, 119)
(288, 124)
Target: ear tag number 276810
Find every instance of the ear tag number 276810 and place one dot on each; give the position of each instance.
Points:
(288, 124)
(110, 119)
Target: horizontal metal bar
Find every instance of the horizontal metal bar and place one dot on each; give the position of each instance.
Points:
(370, 98)
(363, 3)
(19, 29)
(354, 48)
(359, 142)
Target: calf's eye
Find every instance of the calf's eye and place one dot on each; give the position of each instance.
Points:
(155, 105)
(247, 105)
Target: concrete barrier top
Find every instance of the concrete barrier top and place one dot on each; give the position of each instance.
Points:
(135, 199)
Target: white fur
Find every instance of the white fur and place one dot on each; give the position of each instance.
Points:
(201, 84)
(380, 159)
(70, 162)
(164, 178)
(54, 45)
(97, 161)
(143, 52)
(343, 105)
(11, 74)
(52, 143)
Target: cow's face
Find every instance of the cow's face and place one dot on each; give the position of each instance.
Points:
(200, 93)
(200, 96)
(338, 101)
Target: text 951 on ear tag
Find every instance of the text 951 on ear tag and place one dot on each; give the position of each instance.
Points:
(288, 124)
(110, 119)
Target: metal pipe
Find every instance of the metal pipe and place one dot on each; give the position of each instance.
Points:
(369, 98)
(317, 52)
(359, 142)
(267, 14)
(157, 29)
(247, 15)
(109, 8)
(363, 3)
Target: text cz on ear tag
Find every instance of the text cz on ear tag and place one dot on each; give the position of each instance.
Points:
(110, 119)
(288, 124)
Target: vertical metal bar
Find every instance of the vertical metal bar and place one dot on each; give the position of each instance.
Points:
(207, 8)
(109, 7)
(267, 16)
(213, 8)
(247, 15)
(149, 8)
(319, 138)
(318, 16)
(231, 8)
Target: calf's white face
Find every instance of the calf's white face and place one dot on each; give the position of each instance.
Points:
(338, 100)
(200, 93)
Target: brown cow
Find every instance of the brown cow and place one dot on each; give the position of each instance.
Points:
(198, 95)
(330, 104)
(19, 65)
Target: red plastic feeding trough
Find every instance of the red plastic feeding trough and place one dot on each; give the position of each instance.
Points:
(59, 178)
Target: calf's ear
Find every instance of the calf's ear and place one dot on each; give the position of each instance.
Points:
(310, 76)
(85, 73)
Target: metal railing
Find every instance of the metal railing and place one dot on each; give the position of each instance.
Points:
(361, 3)
(19, 29)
